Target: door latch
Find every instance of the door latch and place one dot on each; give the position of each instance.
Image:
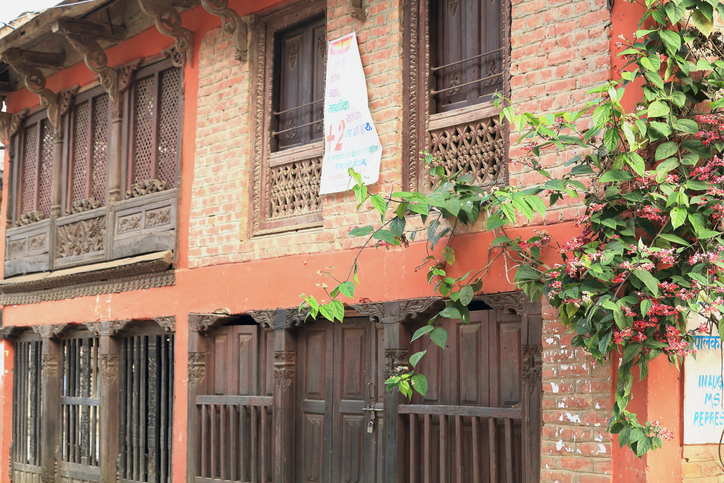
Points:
(371, 426)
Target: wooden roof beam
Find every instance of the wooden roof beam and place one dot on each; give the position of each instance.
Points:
(89, 30)
(41, 60)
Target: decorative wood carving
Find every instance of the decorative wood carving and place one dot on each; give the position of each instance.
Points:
(97, 61)
(86, 204)
(106, 327)
(285, 368)
(5, 119)
(265, 318)
(127, 73)
(50, 365)
(50, 331)
(22, 63)
(87, 284)
(65, 100)
(16, 121)
(11, 331)
(477, 148)
(294, 188)
(232, 24)
(81, 237)
(396, 361)
(29, 218)
(109, 368)
(391, 312)
(146, 187)
(204, 322)
(168, 22)
(509, 301)
(196, 368)
(532, 364)
(357, 10)
(168, 323)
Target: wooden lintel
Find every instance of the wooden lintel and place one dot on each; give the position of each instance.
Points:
(31, 57)
(85, 28)
(7, 87)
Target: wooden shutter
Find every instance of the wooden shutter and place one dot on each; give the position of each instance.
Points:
(467, 57)
(37, 166)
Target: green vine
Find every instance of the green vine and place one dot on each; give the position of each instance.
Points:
(650, 252)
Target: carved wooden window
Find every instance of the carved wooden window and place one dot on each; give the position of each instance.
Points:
(36, 165)
(457, 56)
(80, 401)
(89, 127)
(25, 453)
(154, 127)
(290, 50)
(146, 408)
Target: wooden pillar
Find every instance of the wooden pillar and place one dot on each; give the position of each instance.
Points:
(57, 181)
(285, 371)
(532, 333)
(50, 418)
(397, 346)
(115, 151)
(110, 349)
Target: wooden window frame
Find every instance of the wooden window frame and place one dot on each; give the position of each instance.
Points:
(419, 117)
(263, 76)
(37, 118)
(154, 67)
(67, 188)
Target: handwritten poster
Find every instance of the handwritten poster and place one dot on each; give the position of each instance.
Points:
(703, 404)
(351, 139)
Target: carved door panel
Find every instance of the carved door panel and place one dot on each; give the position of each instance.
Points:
(337, 424)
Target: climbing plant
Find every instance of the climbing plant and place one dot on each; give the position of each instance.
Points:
(650, 253)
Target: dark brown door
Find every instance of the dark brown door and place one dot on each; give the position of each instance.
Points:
(338, 421)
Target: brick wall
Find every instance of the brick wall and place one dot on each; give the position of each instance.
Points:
(700, 464)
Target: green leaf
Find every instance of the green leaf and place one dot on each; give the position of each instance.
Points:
(666, 150)
(671, 40)
(660, 129)
(675, 13)
(425, 329)
(658, 109)
(379, 204)
(449, 255)
(361, 231)
(536, 203)
(415, 358)
(630, 352)
(637, 163)
(453, 206)
(523, 207)
(649, 280)
(703, 24)
(337, 309)
(615, 175)
(347, 289)
(686, 125)
(526, 273)
(397, 226)
(674, 238)
(645, 306)
(451, 312)
(386, 236)
(419, 383)
(466, 295)
(439, 337)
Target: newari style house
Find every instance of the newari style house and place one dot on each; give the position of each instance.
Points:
(161, 217)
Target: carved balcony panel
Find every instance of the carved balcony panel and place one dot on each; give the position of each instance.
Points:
(470, 144)
(80, 239)
(27, 249)
(145, 224)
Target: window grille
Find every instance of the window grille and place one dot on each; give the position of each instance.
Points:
(26, 404)
(146, 408)
(155, 124)
(89, 148)
(37, 165)
(80, 401)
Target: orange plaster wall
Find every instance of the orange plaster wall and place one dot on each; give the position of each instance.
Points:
(6, 398)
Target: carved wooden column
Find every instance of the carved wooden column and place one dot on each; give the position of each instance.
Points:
(532, 335)
(285, 372)
(11, 125)
(65, 101)
(50, 389)
(397, 337)
(110, 350)
(197, 384)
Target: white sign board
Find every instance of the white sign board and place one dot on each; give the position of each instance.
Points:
(703, 403)
(351, 139)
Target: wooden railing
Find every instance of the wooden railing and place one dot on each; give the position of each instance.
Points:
(236, 438)
(462, 444)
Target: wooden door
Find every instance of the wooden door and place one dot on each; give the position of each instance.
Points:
(338, 419)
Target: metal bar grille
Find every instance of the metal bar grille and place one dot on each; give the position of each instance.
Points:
(26, 403)
(146, 408)
(235, 439)
(80, 402)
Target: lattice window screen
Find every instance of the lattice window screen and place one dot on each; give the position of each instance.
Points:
(100, 148)
(294, 188)
(80, 151)
(169, 126)
(46, 168)
(30, 168)
(144, 128)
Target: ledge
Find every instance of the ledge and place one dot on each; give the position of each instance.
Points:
(135, 273)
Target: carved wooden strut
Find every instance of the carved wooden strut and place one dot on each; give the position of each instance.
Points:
(168, 22)
(232, 24)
